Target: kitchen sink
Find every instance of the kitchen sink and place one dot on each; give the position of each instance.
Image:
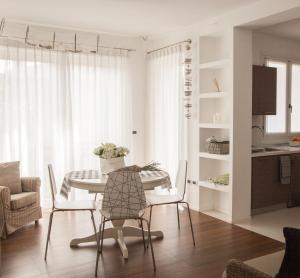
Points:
(266, 149)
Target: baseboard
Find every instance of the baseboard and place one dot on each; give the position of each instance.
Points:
(268, 209)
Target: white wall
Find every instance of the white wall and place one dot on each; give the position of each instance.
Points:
(266, 45)
(242, 111)
(138, 78)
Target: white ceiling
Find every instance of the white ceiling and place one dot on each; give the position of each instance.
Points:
(289, 29)
(129, 17)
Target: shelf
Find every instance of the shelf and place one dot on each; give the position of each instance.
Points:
(218, 64)
(213, 95)
(213, 186)
(217, 214)
(214, 156)
(212, 125)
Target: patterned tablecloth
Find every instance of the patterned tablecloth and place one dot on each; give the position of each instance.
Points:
(95, 174)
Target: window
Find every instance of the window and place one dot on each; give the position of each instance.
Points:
(277, 123)
(295, 98)
(56, 107)
(165, 123)
(287, 119)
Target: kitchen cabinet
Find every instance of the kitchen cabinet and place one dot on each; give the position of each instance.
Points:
(266, 189)
(264, 90)
(295, 189)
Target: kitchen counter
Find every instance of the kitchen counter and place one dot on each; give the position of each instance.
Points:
(278, 150)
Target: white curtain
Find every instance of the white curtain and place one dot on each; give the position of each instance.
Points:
(166, 124)
(56, 107)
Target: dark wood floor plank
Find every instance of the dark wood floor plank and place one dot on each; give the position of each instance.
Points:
(216, 243)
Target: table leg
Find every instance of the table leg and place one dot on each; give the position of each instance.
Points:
(118, 235)
(108, 233)
(131, 231)
(118, 232)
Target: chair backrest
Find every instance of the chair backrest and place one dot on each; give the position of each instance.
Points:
(124, 195)
(180, 182)
(52, 184)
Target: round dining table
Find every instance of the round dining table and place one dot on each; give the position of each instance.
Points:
(119, 230)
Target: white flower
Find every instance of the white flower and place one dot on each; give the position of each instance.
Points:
(110, 150)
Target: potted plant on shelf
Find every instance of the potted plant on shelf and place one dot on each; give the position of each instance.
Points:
(111, 157)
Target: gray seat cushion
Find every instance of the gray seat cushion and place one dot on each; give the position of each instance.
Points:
(22, 200)
(10, 176)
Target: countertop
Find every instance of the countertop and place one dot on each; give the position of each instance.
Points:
(282, 149)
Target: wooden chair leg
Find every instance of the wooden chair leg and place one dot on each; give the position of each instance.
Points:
(178, 220)
(48, 235)
(36, 222)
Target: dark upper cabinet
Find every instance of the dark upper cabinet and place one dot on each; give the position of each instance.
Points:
(264, 90)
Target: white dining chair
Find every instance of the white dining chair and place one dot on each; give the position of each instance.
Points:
(177, 199)
(123, 199)
(62, 206)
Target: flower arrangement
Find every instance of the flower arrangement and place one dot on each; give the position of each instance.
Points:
(110, 150)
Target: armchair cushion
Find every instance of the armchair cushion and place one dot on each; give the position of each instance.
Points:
(10, 176)
(22, 200)
(30, 184)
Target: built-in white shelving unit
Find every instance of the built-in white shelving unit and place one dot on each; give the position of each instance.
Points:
(221, 109)
(213, 186)
(215, 64)
(214, 156)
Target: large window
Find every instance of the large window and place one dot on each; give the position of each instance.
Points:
(277, 123)
(56, 107)
(295, 98)
(165, 141)
(287, 118)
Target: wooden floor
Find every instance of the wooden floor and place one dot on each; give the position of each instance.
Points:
(216, 243)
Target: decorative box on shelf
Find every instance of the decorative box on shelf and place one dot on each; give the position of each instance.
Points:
(221, 147)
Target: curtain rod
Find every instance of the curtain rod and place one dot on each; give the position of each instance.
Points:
(52, 46)
(188, 41)
(65, 43)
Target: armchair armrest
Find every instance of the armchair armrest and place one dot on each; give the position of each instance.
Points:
(31, 184)
(238, 269)
(4, 199)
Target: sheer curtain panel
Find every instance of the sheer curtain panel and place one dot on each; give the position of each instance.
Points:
(56, 107)
(166, 125)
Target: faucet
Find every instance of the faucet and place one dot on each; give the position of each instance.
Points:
(260, 128)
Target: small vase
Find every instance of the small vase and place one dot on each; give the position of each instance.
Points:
(112, 164)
